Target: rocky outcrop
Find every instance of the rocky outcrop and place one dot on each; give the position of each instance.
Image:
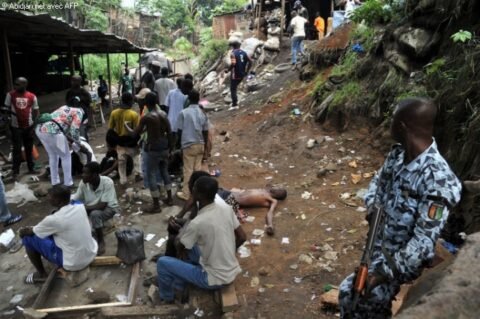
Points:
(452, 293)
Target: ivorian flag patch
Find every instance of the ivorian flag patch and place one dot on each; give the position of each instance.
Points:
(436, 211)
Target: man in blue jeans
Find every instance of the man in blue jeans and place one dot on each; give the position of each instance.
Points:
(297, 25)
(206, 249)
(239, 65)
(157, 149)
(5, 216)
(64, 238)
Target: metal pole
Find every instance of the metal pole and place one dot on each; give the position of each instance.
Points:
(6, 60)
(126, 60)
(109, 82)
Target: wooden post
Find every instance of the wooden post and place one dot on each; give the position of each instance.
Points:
(126, 60)
(282, 22)
(71, 61)
(140, 68)
(109, 75)
(6, 61)
(259, 18)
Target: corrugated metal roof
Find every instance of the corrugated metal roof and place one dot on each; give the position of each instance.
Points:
(44, 33)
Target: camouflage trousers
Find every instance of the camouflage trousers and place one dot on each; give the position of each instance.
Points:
(378, 305)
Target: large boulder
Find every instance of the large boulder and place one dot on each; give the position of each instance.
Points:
(416, 42)
(453, 293)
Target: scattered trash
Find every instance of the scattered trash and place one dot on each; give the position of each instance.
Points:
(9, 288)
(361, 209)
(306, 195)
(342, 149)
(121, 298)
(311, 143)
(269, 286)
(250, 219)
(332, 206)
(254, 282)
(149, 237)
(34, 179)
(258, 232)
(331, 255)
(261, 290)
(285, 241)
(328, 287)
(358, 48)
(328, 139)
(286, 290)
(303, 217)
(16, 299)
(328, 229)
(100, 146)
(6, 238)
(296, 111)
(364, 223)
(352, 231)
(294, 267)
(353, 164)
(244, 251)
(161, 241)
(303, 258)
(216, 154)
(256, 242)
(313, 297)
(20, 194)
(368, 175)
(361, 193)
(356, 178)
(199, 313)
(297, 280)
(215, 172)
(345, 195)
(268, 177)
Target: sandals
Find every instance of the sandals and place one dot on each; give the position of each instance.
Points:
(32, 280)
(13, 220)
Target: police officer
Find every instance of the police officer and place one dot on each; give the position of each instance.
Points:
(417, 189)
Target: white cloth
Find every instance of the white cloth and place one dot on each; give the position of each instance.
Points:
(57, 148)
(213, 231)
(72, 233)
(298, 25)
(162, 87)
(82, 156)
(350, 6)
(104, 193)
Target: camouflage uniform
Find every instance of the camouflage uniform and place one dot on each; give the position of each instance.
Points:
(416, 198)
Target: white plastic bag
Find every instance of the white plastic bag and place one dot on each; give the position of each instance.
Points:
(20, 194)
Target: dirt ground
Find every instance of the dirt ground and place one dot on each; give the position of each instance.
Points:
(268, 145)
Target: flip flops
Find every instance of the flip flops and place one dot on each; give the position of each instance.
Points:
(32, 280)
(13, 220)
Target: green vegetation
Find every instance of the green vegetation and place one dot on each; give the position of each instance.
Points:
(348, 92)
(372, 12)
(211, 51)
(182, 48)
(462, 36)
(347, 64)
(365, 35)
(435, 66)
(417, 91)
(229, 6)
(95, 65)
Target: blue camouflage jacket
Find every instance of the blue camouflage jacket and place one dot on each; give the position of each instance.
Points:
(416, 198)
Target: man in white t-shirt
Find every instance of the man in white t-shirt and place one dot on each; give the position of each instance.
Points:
(297, 26)
(64, 238)
(162, 86)
(206, 249)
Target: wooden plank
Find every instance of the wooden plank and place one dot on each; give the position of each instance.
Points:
(229, 298)
(43, 294)
(138, 311)
(132, 289)
(83, 307)
(106, 261)
(282, 23)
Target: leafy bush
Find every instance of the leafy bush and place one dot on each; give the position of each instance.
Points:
(462, 36)
(96, 64)
(349, 91)
(372, 12)
(347, 65)
(182, 47)
(229, 6)
(212, 51)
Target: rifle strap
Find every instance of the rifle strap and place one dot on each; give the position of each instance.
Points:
(391, 264)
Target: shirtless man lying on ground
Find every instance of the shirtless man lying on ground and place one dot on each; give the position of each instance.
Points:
(252, 198)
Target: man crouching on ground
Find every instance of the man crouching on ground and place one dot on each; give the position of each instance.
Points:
(63, 238)
(206, 249)
(98, 195)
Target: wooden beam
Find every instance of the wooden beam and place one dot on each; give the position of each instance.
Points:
(132, 289)
(140, 311)
(109, 82)
(71, 61)
(282, 23)
(47, 285)
(229, 298)
(126, 60)
(84, 307)
(106, 261)
(6, 60)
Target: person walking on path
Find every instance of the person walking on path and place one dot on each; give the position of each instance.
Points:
(240, 63)
(297, 25)
(192, 130)
(24, 109)
(162, 86)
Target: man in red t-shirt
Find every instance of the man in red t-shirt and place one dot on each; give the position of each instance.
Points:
(24, 108)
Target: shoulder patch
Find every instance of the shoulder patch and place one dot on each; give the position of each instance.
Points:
(436, 211)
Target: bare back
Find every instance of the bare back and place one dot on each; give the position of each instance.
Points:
(156, 126)
(253, 198)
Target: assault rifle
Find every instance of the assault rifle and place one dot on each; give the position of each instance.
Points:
(376, 218)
